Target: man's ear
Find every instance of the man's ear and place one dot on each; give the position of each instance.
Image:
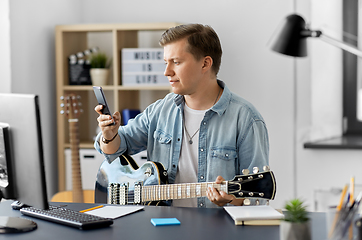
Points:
(207, 63)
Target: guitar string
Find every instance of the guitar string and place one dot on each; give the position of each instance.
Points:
(174, 191)
(175, 188)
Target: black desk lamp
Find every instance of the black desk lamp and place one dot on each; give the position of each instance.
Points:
(291, 38)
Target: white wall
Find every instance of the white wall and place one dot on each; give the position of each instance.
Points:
(249, 68)
(33, 63)
(5, 69)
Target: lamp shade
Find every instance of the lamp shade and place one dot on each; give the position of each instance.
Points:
(289, 38)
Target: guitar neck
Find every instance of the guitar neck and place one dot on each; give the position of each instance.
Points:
(178, 191)
(76, 174)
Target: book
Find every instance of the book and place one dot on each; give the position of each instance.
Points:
(268, 222)
(254, 215)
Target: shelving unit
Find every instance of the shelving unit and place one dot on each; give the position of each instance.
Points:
(111, 38)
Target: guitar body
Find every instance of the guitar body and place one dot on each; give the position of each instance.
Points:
(67, 196)
(124, 170)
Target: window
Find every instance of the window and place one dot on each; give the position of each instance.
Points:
(352, 126)
(352, 81)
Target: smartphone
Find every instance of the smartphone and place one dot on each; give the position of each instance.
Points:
(101, 98)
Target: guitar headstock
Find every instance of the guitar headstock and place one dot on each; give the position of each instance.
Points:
(71, 106)
(261, 185)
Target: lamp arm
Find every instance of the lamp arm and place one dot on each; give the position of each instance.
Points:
(345, 46)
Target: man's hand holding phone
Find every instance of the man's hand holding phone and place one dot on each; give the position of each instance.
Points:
(108, 123)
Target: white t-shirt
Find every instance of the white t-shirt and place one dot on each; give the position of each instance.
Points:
(188, 161)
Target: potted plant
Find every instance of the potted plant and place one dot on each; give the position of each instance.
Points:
(99, 68)
(296, 224)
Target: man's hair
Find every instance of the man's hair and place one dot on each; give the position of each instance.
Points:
(203, 41)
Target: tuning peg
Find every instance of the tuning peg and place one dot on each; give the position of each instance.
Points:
(266, 168)
(246, 202)
(257, 202)
(62, 105)
(255, 169)
(61, 97)
(62, 112)
(245, 171)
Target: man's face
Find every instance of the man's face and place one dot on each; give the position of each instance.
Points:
(184, 72)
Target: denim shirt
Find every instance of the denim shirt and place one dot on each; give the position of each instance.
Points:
(233, 136)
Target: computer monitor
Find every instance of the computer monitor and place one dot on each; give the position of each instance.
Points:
(22, 172)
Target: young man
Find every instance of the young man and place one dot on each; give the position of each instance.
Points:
(201, 132)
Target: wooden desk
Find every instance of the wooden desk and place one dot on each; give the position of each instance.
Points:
(196, 223)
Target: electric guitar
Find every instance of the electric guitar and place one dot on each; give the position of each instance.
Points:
(123, 182)
(72, 112)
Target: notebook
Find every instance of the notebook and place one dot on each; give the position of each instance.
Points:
(254, 215)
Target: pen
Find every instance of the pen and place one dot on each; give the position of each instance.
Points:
(338, 209)
(351, 190)
(90, 209)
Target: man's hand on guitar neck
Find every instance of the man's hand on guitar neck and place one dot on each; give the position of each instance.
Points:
(110, 140)
(221, 198)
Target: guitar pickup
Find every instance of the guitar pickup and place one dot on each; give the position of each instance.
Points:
(123, 194)
(117, 193)
(138, 193)
(113, 193)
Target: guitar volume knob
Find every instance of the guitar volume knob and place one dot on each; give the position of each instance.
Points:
(148, 172)
(266, 168)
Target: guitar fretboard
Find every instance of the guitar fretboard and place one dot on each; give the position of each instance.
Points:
(178, 191)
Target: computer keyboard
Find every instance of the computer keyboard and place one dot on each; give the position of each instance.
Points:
(68, 217)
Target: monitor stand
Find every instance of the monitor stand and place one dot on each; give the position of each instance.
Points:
(15, 224)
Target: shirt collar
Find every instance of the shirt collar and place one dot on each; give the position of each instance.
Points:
(219, 107)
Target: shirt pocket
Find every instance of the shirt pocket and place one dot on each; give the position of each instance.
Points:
(222, 162)
(226, 154)
(162, 147)
(161, 137)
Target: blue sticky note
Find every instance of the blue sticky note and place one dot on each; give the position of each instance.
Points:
(165, 221)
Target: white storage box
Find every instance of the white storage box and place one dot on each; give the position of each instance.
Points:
(90, 161)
